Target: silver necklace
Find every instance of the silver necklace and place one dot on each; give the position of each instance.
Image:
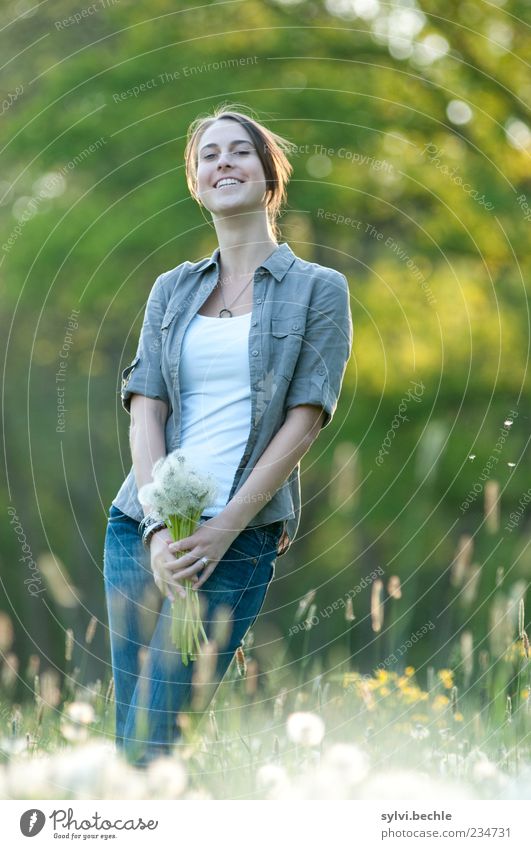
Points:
(225, 312)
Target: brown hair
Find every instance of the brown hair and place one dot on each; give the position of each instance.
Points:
(271, 149)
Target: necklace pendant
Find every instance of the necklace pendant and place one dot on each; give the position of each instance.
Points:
(225, 310)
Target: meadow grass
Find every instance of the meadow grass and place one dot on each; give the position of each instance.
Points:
(341, 735)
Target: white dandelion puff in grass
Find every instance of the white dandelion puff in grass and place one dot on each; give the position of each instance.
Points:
(272, 781)
(75, 722)
(166, 778)
(347, 761)
(305, 729)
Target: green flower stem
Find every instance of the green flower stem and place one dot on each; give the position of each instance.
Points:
(186, 626)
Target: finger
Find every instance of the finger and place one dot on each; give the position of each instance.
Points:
(163, 587)
(189, 572)
(168, 591)
(167, 585)
(183, 561)
(176, 587)
(204, 576)
(184, 544)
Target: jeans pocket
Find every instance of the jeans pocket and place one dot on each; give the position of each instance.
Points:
(115, 513)
(249, 544)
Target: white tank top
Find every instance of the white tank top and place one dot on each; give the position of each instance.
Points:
(215, 388)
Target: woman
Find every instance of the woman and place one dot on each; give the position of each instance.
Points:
(240, 363)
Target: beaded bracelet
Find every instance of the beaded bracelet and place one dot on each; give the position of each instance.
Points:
(149, 532)
(149, 526)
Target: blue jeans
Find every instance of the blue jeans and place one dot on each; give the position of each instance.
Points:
(151, 684)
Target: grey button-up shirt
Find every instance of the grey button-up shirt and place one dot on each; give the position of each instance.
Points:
(300, 340)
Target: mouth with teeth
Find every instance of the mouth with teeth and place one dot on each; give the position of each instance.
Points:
(227, 181)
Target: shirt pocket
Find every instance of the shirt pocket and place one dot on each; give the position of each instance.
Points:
(287, 334)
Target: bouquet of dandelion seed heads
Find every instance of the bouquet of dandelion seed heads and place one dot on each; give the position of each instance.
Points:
(178, 495)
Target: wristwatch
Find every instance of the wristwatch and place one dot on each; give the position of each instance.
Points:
(149, 526)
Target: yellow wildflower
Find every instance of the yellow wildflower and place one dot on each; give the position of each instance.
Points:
(447, 678)
(440, 702)
(458, 716)
(413, 694)
(409, 671)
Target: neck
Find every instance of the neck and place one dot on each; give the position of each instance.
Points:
(244, 244)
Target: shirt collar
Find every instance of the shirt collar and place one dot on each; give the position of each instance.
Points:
(276, 263)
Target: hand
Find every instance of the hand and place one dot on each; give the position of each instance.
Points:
(209, 540)
(161, 561)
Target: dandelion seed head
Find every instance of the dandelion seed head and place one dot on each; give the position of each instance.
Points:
(485, 770)
(166, 779)
(93, 770)
(177, 489)
(419, 732)
(29, 778)
(350, 763)
(13, 745)
(81, 712)
(413, 785)
(305, 729)
(272, 781)
(75, 721)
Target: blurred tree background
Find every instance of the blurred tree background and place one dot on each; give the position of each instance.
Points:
(412, 176)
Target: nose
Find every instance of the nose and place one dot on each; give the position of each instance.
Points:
(224, 160)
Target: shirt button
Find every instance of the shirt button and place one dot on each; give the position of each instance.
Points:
(294, 326)
(259, 300)
(321, 370)
(255, 323)
(254, 353)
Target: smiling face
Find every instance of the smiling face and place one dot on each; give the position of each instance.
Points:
(230, 175)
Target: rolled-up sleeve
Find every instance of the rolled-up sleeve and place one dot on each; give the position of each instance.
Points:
(326, 347)
(143, 376)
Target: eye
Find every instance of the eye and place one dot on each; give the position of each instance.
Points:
(209, 155)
